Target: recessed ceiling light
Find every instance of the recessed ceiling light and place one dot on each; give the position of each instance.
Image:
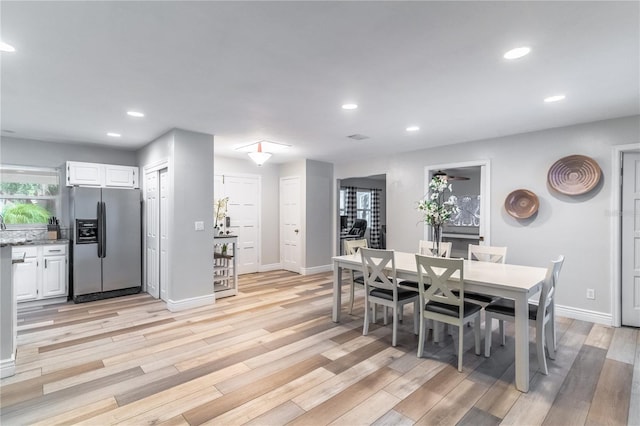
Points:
(413, 128)
(114, 135)
(518, 52)
(135, 114)
(4, 47)
(349, 106)
(554, 98)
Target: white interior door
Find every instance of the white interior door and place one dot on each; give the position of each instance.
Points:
(243, 193)
(631, 239)
(290, 218)
(164, 233)
(152, 241)
(243, 211)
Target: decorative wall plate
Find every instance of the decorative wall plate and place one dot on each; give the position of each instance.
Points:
(521, 203)
(574, 175)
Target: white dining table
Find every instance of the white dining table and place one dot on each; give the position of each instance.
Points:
(515, 282)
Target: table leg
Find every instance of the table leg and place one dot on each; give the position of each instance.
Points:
(522, 342)
(337, 292)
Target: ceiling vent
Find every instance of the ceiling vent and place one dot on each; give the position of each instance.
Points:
(358, 137)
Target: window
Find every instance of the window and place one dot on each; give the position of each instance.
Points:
(29, 196)
(363, 204)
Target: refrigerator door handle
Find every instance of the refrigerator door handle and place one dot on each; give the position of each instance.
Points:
(100, 236)
(104, 229)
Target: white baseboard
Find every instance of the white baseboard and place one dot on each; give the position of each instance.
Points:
(270, 267)
(316, 269)
(194, 302)
(584, 315)
(7, 367)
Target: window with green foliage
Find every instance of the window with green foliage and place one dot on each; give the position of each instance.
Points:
(28, 196)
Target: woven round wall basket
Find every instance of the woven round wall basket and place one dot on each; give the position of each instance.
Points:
(574, 175)
(521, 204)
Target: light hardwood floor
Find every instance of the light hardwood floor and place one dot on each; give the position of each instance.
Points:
(272, 356)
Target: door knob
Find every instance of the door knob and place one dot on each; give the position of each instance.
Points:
(296, 231)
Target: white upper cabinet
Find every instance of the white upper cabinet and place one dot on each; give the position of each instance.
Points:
(87, 174)
(101, 175)
(123, 176)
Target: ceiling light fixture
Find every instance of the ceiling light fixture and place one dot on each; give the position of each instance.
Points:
(413, 128)
(114, 135)
(258, 156)
(554, 98)
(350, 106)
(517, 53)
(135, 114)
(4, 47)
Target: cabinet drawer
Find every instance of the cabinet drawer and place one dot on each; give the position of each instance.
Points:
(54, 250)
(25, 251)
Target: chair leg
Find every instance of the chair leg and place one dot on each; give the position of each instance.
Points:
(542, 360)
(385, 315)
(365, 327)
(421, 335)
(488, 323)
(501, 324)
(548, 332)
(460, 347)
(436, 331)
(477, 334)
(395, 325)
(416, 314)
(351, 296)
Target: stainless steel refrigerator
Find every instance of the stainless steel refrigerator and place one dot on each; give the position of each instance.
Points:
(105, 242)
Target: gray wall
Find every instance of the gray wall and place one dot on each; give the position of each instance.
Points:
(34, 153)
(269, 200)
(29, 152)
(319, 214)
(190, 157)
(577, 227)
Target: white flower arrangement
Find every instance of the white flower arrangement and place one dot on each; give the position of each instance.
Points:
(221, 210)
(435, 209)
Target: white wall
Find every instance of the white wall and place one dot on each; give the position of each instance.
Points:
(577, 227)
(269, 200)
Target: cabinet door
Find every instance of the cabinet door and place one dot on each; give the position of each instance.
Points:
(54, 276)
(121, 176)
(88, 174)
(25, 279)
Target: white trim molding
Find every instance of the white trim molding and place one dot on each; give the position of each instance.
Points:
(193, 302)
(7, 367)
(270, 267)
(316, 269)
(616, 231)
(584, 315)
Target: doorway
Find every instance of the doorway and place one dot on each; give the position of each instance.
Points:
(470, 189)
(290, 219)
(630, 241)
(156, 224)
(362, 198)
(243, 216)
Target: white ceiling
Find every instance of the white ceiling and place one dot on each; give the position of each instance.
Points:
(245, 71)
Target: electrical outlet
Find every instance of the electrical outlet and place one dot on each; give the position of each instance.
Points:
(591, 293)
(199, 225)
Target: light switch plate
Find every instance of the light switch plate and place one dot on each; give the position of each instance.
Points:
(199, 225)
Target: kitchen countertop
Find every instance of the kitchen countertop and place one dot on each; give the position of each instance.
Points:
(10, 242)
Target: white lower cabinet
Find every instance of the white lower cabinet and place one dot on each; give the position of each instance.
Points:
(44, 273)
